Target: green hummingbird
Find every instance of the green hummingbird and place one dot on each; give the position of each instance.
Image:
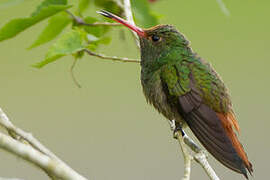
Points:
(186, 89)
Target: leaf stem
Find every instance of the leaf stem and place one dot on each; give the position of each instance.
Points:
(72, 73)
(112, 58)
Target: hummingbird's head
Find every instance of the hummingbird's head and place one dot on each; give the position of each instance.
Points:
(161, 39)
(156, 40)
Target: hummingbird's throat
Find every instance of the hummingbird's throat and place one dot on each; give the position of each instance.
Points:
(134, 28)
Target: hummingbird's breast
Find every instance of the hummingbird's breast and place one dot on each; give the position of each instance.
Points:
(156, 95)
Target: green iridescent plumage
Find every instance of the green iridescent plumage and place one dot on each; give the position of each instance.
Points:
(185, 88)
(176, 62)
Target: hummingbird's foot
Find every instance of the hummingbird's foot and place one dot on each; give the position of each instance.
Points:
(175, 127)
(172, 124)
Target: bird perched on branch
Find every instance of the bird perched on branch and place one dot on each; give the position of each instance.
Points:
(185, 88)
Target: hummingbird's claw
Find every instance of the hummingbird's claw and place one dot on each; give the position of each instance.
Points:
(176, 127)
(172, 124)
(176, 130)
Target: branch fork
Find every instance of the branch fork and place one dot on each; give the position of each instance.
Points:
(199, 156)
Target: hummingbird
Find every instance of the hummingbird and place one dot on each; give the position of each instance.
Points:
(187, 90)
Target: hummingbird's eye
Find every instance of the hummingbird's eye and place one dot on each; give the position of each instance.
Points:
(155, 38)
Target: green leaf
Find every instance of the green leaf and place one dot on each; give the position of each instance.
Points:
(8, 3)
(109, 5)
(94, 41)
(56, 25)
(47, 3)
(97, 31)
(143, 14)
(69, 43)
(83, 5)
(105, 40)
(91, 37)
(78, 55)
(15, 26)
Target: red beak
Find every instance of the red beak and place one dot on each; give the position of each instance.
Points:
(136, 29)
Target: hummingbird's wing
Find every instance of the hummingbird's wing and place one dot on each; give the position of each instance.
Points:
(208, 128)
(213, 128)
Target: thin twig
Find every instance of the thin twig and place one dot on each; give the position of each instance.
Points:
(129, 17)
(191, 144)
(80, 21)
(187, 157)
(199, 156)
(101, 24)
(223, 7)
(72, 73)
(202, 160)
(112, 58)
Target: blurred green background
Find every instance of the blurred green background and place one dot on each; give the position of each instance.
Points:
(106, 130)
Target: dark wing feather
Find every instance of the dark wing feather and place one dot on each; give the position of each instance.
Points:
(207, 127)
(215, 133)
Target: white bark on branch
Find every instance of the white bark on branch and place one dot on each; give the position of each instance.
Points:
(30, 154)
(130, 19)
(25, 146)
(199, 156)
(19, 134)
(187, 157)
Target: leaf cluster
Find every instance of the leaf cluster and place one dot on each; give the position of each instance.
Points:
(70, 27)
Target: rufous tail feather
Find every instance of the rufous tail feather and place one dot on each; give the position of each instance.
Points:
(229, 122)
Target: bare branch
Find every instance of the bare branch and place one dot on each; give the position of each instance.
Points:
(191, 144)
(80, 21)
(223, 7)
(129, 17)
(31, 155)
(21, 135)
(112, 58)
(199, 156)
(30, 149)
(187, 157)
(202, 160)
